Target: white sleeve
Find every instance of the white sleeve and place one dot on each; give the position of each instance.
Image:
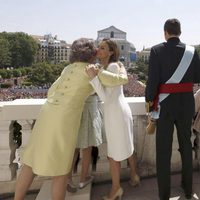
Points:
(114, 68)
(99, 88)
(114, 75)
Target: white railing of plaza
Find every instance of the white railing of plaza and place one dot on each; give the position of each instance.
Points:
(25, 111)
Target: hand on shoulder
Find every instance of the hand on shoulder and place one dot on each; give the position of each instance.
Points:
(91, 70)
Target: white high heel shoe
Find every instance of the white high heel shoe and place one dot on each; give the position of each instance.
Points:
(118, 195)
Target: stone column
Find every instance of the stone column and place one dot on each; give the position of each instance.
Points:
(145, 147)
(27, 126)
(7, 151)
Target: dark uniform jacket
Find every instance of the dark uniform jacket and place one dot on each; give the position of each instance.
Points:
(164, 59)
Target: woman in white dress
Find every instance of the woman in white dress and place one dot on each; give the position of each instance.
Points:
(117, 116)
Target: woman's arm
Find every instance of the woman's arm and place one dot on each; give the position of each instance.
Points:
(114, 76)
(92, 71)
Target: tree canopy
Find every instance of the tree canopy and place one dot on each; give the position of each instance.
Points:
(17, 50)
(140, 68)
(44, 73)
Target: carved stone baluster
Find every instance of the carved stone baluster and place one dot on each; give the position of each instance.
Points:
(26, 128)
(7, 151)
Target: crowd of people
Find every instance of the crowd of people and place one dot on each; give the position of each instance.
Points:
(68, 121)
(10, 94)
(132, 88)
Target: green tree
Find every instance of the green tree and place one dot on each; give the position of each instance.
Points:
(28, 49)
(16, 58)
(41, 74)
(3, 73)
(17, 73)
(5, 55)
(28, 70)
(9, 74)
(198, 49)
(22, 48)
(45, 73)
(141, 69)
(57, 69)
(23, 71)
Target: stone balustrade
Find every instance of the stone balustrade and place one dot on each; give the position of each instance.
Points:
(25, 111)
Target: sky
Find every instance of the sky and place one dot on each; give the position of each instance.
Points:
(142, 20)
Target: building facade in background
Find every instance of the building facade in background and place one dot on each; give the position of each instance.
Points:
(51, 49)
(127, 49)
(55, 51)
(144, 54)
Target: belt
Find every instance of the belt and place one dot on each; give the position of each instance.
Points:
(172, 88)
(175, 88)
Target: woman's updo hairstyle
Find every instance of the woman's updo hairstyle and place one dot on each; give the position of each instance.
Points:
(82, 50)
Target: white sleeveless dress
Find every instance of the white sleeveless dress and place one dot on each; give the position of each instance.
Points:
(117, 117)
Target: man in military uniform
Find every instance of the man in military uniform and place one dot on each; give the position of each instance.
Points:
(173, 69)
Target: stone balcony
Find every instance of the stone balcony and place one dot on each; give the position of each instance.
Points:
(25, 112)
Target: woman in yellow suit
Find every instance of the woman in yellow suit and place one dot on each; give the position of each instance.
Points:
(53, 140)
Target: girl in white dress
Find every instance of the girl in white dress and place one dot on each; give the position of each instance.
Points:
(117, 116)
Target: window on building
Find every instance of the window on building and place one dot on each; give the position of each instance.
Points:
(122, 47)
(112, 34)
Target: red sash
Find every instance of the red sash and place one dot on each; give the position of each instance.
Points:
(172, 88)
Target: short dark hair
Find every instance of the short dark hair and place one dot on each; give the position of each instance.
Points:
(172, 27)
(82, 50)
(112, 45)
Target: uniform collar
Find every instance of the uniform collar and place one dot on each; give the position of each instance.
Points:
(173, 40)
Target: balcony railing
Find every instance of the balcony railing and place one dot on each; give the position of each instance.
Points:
(25, 112)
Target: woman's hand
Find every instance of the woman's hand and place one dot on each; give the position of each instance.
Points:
(91, 71)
